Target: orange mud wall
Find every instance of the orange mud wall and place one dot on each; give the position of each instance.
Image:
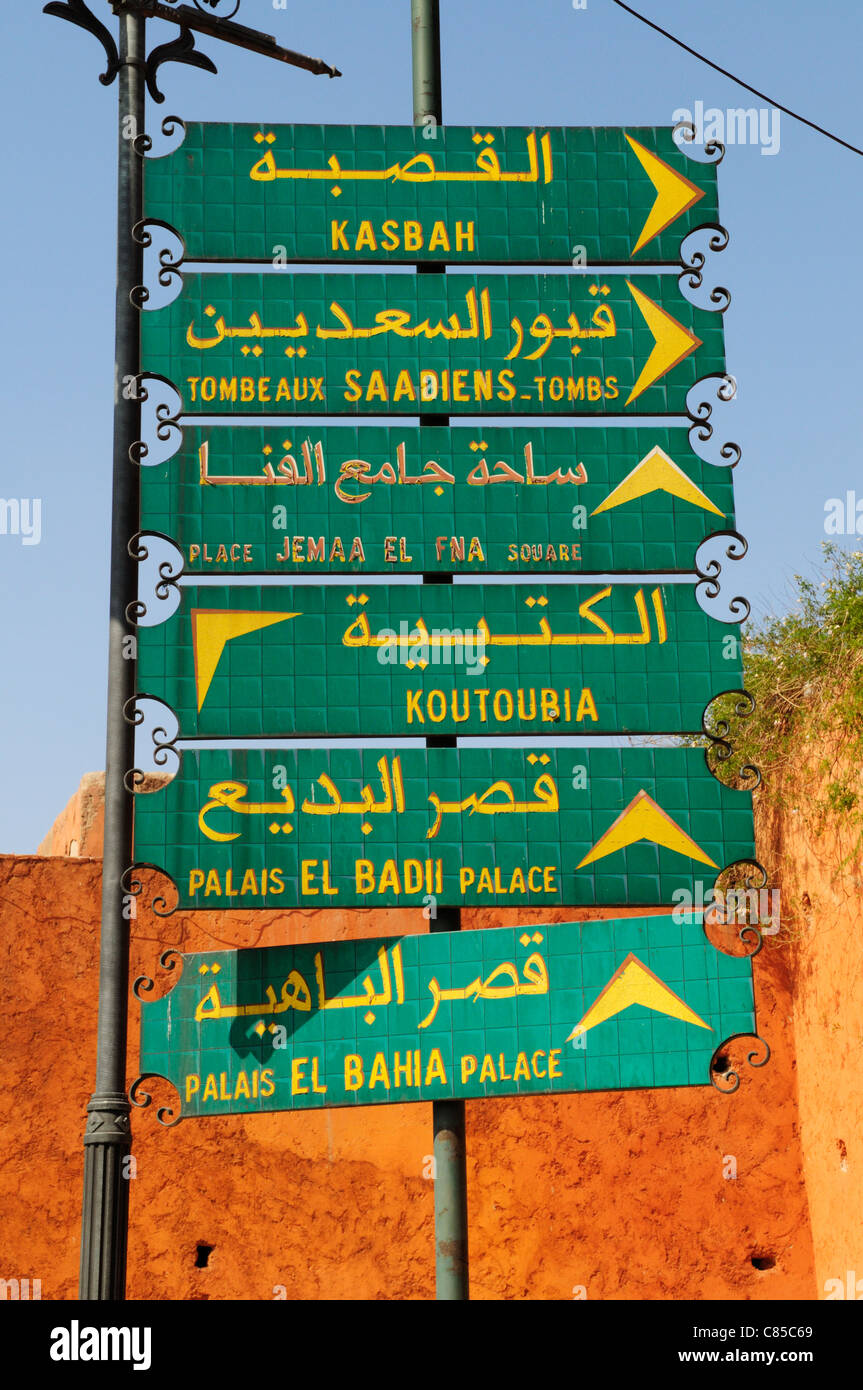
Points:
(624, 1195)
(820, 874)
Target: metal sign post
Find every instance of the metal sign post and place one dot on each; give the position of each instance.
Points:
(107, 1141)
(448, 1118)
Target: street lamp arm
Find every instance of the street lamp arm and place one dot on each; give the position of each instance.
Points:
(253, 40)
(180, 50)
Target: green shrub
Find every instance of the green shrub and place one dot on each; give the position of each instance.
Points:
(805, 672)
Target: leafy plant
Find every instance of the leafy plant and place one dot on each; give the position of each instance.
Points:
(805, 671)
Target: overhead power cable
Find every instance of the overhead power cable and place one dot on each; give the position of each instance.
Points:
(795, 115)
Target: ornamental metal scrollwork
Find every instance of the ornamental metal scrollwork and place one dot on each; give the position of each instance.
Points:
(142, 1099)
(166, 420)
(163, 744)
(137, 550)
(701, 414)
(714, 149)
(168, 267)
(179, 50)
(720, 748)
(692, 270)
(738, 607)
(133, 886)
(135, 611)
(172, 123)
(168, 961)
(214, 5)
(76, 12)
(750, 932)
(721, 1066)
(169, 576)
(133, 776)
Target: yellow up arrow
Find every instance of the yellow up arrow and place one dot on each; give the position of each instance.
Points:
(656, 473)
(644, 820)
(633, 983)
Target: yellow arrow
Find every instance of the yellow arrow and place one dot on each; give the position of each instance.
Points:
(632, 983)
(644, 820)
(656, 473)
(674, 193)
(212, 628)
(672, 342)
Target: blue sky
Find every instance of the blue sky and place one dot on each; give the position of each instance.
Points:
(791, 331)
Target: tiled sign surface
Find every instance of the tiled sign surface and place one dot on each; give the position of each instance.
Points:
(596, 1006)
(376, 499)
(388, 344)
(273, 661)
(456, 194)
(317, 827)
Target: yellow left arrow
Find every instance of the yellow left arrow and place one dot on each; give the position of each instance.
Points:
(212, 628)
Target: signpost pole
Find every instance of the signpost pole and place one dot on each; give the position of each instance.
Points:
(448, 1121)
(425, 53)
(107, 1141)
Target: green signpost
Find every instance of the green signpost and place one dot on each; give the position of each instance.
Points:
(312, 827)
(531, 1010)
(280, 661)
(456, 194)
(449, 1015)
(482, 344)
(268, 500)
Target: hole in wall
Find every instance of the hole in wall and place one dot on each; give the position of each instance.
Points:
(202, 1256)
(763, 1261)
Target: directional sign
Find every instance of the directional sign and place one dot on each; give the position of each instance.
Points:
(316, 827)
(372, 499)
(597, 1006)
(458, 194)
(270, 662)
(413, 344)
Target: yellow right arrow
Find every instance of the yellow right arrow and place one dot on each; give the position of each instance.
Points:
(675, 194)
(671, 342)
